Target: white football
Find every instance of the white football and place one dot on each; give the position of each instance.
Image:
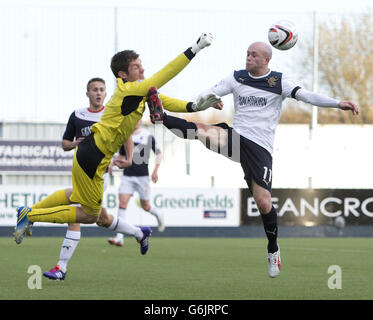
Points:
(283, 35)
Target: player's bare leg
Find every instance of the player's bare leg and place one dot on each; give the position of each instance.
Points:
(213, 137)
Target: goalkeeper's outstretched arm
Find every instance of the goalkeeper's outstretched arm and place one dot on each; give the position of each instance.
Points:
(203, 103)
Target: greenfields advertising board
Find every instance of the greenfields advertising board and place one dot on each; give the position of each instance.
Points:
(180, 206)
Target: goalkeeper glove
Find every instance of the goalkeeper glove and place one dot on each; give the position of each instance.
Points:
(206, 102)
(203, 41)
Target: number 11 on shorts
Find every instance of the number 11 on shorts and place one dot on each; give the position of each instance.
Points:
(267, 177)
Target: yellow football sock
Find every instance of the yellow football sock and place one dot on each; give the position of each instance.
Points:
(55, 199)
(60, 214)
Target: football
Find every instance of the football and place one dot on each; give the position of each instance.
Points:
(283, 35)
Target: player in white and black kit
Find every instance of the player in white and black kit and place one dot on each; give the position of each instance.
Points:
(258, 93)
(136, 177)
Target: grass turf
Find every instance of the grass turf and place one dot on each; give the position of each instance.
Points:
(189, 269)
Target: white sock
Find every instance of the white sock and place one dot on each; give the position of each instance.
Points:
(114, 223)
(121, 214)
(68, 247)
(122, 226)
(154, 211)
(119, 236)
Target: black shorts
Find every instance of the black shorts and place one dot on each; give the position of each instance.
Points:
(255, 161)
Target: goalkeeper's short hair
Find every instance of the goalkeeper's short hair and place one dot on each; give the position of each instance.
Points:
(121, 60)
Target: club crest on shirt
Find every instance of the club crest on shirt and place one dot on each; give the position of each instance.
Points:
(272, 81)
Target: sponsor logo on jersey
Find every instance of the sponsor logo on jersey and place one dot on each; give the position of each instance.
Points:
(252, 101)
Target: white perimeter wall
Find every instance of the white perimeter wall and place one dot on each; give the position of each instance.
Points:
(337, 156)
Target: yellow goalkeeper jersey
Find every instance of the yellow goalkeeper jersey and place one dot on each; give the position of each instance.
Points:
(126, 107)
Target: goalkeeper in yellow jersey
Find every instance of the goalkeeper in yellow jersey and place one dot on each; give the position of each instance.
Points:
(93, 155)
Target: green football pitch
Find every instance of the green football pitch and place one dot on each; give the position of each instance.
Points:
(190, 268)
